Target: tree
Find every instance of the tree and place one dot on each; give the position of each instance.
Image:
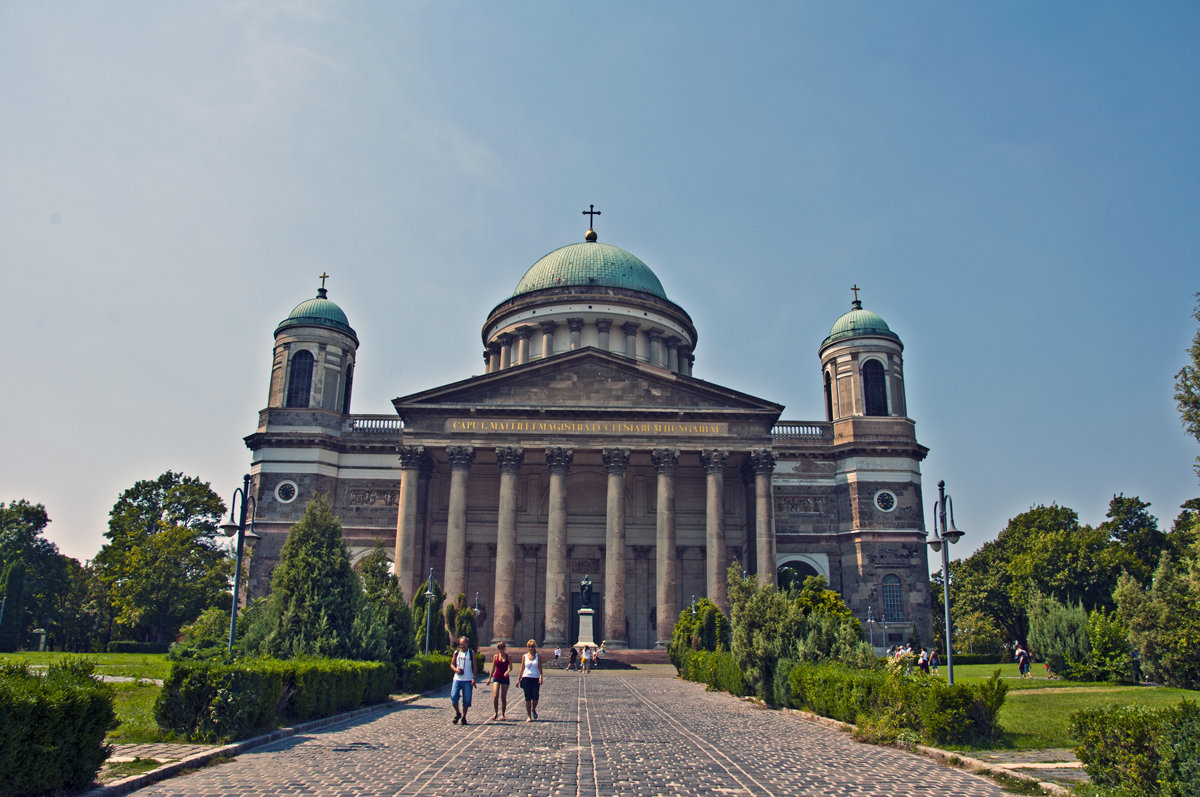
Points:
(47, 572)
(316, 597)
(14, 607)
(1187, 386)
(1057, 633)
(438, 636)
(383, 590)
(1137, 535)
(162, 565)
(1164, 619)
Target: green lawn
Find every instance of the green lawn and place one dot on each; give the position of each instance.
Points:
(129, 665)
(134, 700)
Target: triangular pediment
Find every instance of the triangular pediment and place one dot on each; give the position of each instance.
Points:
(586, 379)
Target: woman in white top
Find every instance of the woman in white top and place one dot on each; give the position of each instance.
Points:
(531, 679)
(587, 659)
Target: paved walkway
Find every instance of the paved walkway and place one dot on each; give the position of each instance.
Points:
(636, 732)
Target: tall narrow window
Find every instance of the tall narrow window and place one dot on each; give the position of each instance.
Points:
(300, 379)
(828, 396)
(874, 388)
(349, 384)
(893, 601)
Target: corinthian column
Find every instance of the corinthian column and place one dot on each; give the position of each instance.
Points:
(406, 517)
(504, 619)
(714, 467)
(558, 595)
(616, 462)
(460, 458)
(763, 463)
(666, 566)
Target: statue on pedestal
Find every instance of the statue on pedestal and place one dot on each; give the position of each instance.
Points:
(585, 592)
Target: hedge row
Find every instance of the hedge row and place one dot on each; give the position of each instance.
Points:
(53, 728)
(128, 646)
(1144, 752)
(214, 702)
(426, 671)
(882, 702)
(715, 668)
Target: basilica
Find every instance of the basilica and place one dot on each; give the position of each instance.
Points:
(586, 448)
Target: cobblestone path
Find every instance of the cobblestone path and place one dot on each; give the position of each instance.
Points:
(612, 732)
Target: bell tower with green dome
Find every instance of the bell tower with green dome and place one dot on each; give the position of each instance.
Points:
(862, 367)
(313, 366)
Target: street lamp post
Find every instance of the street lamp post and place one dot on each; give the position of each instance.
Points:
(231, 528)
(429, 596)
(949, 534)
(871, 625)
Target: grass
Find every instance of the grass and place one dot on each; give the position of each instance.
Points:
(116, 770)
(1038, 718)
(135, 711)
(129, 665)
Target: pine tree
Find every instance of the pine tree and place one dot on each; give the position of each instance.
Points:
(387, 599)
(315, 594)
(439, 639)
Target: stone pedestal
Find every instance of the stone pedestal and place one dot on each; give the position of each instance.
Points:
(586, 634)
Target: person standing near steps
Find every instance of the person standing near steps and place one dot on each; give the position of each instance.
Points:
(531, 679)
(463, 664)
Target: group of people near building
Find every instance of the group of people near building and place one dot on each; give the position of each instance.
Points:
(927, 659)
(462, 663)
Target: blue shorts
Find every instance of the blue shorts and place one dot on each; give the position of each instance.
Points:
(463, 689)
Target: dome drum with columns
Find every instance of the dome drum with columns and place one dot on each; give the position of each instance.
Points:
(588, 447)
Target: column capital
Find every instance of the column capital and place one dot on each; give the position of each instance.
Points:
(575, 324)
(672, 342)
(525, 332)
(505, 338)
(548, 327)
(616, 460)
(762, 460)
(664, 459)
(630, 328)
(411, 456)
(604, 324)
(558, 460)
(654, 334)
(510, 458)
(714, 460)
(460, 456)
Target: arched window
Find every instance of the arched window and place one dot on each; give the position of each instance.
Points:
(791, 574)
(349, 384)
(300, 379)
(893, 600)
(874, 388)
(828, 396)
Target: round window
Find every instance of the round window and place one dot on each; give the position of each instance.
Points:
(885, 500)
(285, 492)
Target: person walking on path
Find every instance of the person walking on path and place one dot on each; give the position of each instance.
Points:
(573, 662)
(557, 656)
(587, 659)
(501, 664)
(531, 679)
(463, 665)
(934, 661)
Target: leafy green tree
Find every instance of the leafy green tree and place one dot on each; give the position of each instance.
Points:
(439, 637)
(163, 565)
(1187, 386)
(383, 591)
(1137, 535)
(1108, 656)
(14, 607)
(47, 572)
(1164, 619)
(315, 597)
(460, 620)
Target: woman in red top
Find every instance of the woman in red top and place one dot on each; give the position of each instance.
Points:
(499, 681)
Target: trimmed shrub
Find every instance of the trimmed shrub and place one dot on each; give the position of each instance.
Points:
(212, 702)
(54, 727)
(130, 646)
(718, 670)
(422, 673)
(1144, 752)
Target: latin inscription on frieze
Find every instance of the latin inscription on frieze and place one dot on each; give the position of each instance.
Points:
(652, 428)
(802, 504)
(374, 497)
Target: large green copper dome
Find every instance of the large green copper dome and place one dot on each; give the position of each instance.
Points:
(318, 312)
(859, 323)
(590, 263)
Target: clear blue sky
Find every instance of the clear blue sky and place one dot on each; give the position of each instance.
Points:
(1014, 186)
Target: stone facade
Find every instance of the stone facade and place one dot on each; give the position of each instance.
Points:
(514, 485)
